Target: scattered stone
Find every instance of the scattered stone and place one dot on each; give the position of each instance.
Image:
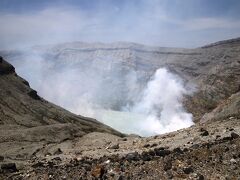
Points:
(151, 152)
(33, 94)
(6, 68)
(233, 161)
(115, 146)
(1, 158)
(227, 138)
(9, 167)
(167, 165)
(145, 156)
(132, 156)
(38, 164)
(200, 177)
(154, 145)
(120, 177)
(161, 152)
(107, 161)
(58, 151)
(26, 83)
(57, 159)
(195, 146)
(98, 171)
(169, 174)
(146, 145)
(50, 163)
(204, 132)
(178, 150)
(188, 170)
(234, 135)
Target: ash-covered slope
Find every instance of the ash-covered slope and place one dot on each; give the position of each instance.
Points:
(28, 122)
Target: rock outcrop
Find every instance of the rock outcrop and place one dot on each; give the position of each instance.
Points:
(28, 122)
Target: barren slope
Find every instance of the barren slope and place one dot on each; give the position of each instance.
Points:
(28, 122)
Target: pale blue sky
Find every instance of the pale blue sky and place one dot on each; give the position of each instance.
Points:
(175, 23)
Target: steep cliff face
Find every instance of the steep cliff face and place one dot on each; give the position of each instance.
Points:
(28, 122)
(212, 71)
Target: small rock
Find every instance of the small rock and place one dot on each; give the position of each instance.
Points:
(195, 146)
(227, 138)
(107, 161)
(132, 156)
(234, 135)
(33, 94)
(188, 170)
(151, 152)
(178, 150)
(9, 167)
(58, 151)
(1, 158)
(64, 177)
(167, 165)
(6, 68)
(161, 152)
(233, 161)
(115, 146)
(57, 159)
(98, 171)
(197, 176)
(204, 132)
(50, 164)
(154, 144)
(169, 174)
(38, 164)
(120, 177)
(87, 167)
(146, 145)
(145, 156)
(200, 177)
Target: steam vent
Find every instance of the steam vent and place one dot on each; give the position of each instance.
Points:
(119, 90)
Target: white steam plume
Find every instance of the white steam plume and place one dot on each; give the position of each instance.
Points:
(104, 89)
(161, 104)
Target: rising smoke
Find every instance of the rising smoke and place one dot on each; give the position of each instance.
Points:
(105, 89)
(161, 104)
(102, 86)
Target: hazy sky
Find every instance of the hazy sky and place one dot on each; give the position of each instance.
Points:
(175, 23)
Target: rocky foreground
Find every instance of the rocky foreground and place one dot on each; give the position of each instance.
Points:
(207, 151)
(39, 140)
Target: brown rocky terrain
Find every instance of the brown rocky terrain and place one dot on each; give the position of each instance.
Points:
(40, 140)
